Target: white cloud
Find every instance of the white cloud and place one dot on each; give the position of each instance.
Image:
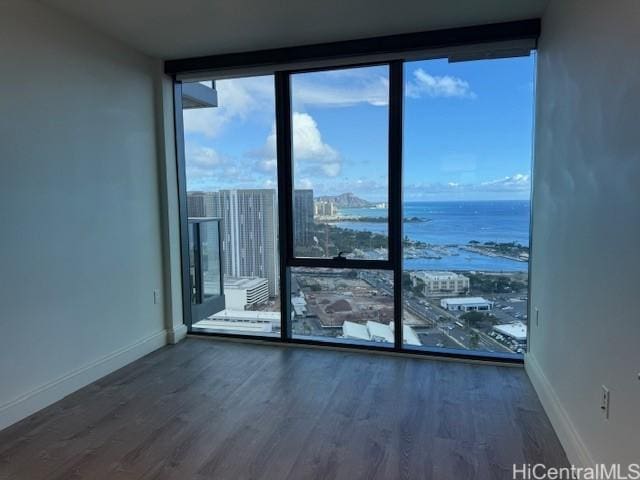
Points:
(240, 99)
(310, 149)
(204, 157)
(518, 185)
(515, 182)
(237, 100)
(202, 161)
(304, 183)
(339, 89)
(268, 165)
(208, 169)
(437, 86)
(311, 154)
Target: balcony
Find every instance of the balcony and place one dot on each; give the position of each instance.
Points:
(205, 268)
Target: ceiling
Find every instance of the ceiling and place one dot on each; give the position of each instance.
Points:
(186, 28)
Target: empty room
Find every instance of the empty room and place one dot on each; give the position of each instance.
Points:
(319, 240)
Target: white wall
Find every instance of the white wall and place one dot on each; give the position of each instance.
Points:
(80, 207)
(586, 231)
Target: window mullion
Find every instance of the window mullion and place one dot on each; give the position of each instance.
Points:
(396, 98)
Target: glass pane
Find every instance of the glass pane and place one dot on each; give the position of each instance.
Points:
(342, 305)
(466, 201)
(230, 152)
(210, 258)
(340, 162)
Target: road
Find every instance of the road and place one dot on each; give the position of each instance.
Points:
(431, 314)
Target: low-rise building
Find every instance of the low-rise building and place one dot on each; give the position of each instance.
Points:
(513, 331)
(299, 305)
(466, 304)
(242, 292)
(241, 321)
(440, 283)
(378, 332)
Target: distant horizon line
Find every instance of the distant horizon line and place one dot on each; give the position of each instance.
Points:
(370, 201)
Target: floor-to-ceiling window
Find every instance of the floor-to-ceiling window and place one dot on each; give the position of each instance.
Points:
(230, 170)
(466, 201)
(385, 205)
(340, 124)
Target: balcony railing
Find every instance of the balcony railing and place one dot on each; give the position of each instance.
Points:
(205, 267)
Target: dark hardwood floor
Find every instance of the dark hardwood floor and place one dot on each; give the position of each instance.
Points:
(206, 409)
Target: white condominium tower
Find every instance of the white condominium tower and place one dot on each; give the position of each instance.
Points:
(249, 231)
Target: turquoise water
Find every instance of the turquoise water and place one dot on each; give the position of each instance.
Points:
(457, 223)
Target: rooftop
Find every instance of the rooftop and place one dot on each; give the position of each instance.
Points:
(517, 331)
(380, 331)
(243, 282)
(246, 316)
(465, 300)
(377, 331)
(438, 274)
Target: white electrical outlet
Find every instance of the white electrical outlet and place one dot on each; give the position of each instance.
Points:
(156, 296)
(604, 402)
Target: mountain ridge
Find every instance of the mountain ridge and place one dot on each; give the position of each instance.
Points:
(345, 200)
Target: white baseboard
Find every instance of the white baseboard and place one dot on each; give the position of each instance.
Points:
(577, 452)
(51, 392)
(177, 333)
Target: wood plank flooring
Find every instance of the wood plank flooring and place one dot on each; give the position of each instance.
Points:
(210, 409)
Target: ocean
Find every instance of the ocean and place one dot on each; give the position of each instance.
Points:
(457, 223)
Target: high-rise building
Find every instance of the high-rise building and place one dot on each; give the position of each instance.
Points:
(303, 217)
(196, 204)
(325, 208)
(249, 231)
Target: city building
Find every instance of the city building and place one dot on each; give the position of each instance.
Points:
(492, 113)
(242, 292)
(516, 332)
(249, 230)
(196, 204)
(466, 304)
(303, 211)
(409, 335)
(378, 332)
(325, 208)
(241, 321)
(440, 283)
(299, 305)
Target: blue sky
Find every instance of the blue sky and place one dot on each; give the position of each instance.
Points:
(467, 132)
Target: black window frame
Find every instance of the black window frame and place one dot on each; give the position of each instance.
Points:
(326, 262)
(347, 54)
(393, 262)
